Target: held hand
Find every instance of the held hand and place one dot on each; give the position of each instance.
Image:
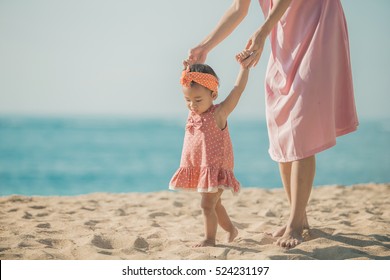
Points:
(242, 56)
(197, 55)
(186, 64)
(252, 53)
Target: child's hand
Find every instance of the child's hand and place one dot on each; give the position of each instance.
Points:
(186, 63)
(242, 56)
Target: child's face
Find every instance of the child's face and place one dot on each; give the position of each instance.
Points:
(198, 98)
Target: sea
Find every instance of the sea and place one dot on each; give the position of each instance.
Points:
(66, 156)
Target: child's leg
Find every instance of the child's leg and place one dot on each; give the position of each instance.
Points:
(285, 174)
(224, 220)
(208, 204)
(302, 176)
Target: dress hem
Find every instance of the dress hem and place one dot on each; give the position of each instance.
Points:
(206, 190)
(317, 150)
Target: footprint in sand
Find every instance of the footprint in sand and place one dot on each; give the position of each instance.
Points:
(155, 235)
(158, 214)
(120, 212)
(27, 241)
(223, 255)
(141, 244)
(27, 215)
(177, 204)
(105, 253)
(17, 198)
(347, 223)
(326, 209)
(270, 213)
(242, 205)
(344, 214)
(373, 211)
(101, 242)
(45, 225)
(24, 244)
(48, 242)
(88, 209)
(37, 207)
(196, 213)
(42, 214)
(250, 241)
(155, 224)
(91, 223)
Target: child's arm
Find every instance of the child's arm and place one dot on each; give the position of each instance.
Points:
(228, 105)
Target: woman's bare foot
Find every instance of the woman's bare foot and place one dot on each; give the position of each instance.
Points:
(290, 238)
(205, 243)
(280, 231)
(232, 235)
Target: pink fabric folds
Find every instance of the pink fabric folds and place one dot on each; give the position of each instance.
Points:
(309, 90)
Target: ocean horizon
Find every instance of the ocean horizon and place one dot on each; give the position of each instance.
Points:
(79, 155)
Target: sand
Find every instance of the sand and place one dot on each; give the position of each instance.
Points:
(347, 222)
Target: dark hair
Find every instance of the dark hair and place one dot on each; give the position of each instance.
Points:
(202, 68)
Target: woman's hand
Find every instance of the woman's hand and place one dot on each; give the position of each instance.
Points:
(253, 50)
(197, 55)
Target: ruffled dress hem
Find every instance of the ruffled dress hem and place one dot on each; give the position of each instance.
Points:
(204, 179)
(205, 190)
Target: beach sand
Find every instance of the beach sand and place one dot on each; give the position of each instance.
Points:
(347, 222)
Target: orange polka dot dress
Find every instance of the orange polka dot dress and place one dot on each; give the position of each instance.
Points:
(207, 158)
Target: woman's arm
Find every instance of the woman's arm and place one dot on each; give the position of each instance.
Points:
(229, 21)
(255, 44)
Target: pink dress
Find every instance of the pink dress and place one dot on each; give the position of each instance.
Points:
(207, 158)
(309, 91)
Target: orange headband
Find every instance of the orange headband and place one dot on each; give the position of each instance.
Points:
(207, 80)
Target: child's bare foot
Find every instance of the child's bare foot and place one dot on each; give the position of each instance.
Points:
(205, 243)
(290, 239)
(232, 235)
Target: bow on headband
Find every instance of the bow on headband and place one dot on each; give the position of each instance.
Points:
(207, 80)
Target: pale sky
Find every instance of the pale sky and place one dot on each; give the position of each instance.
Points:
(122, 57)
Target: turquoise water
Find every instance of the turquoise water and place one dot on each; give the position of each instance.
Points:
(70, 156)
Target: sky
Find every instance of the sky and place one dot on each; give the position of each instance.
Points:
(123, 58)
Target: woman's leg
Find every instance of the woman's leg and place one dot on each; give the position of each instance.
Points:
(301, 181)
(285, 175)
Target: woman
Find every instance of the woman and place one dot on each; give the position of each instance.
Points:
(309, 91)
